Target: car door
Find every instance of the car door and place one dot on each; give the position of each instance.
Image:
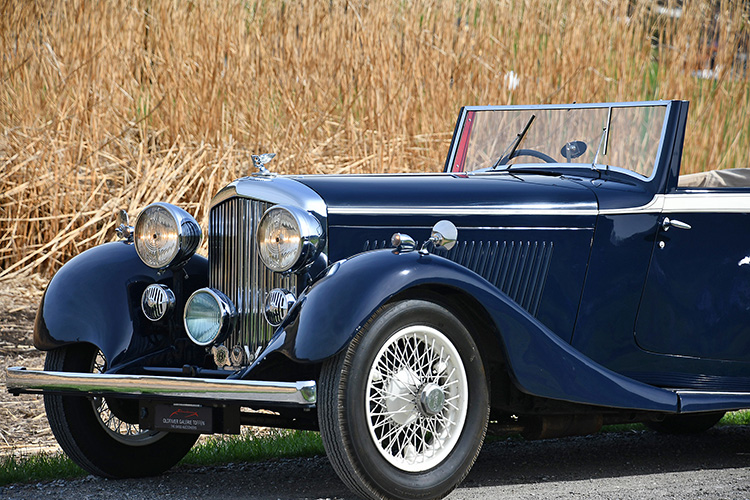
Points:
(696, 300)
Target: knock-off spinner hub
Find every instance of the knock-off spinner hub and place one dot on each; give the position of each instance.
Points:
(431, 400)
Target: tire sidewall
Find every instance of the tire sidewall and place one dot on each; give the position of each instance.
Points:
(446, 475)
(80, 432)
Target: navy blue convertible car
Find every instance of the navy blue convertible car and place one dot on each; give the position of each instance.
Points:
(560, 274)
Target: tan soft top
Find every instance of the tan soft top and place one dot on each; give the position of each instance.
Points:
(735, 177)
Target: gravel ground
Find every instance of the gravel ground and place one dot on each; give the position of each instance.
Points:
(630, 465)
(23, 423)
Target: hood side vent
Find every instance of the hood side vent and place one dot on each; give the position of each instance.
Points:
(518, 268)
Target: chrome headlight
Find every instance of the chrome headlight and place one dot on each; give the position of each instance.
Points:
(166, 236)
(209, 316)
(288, 238)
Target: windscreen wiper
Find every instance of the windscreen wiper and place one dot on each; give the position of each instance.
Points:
(513, 145)
(603, 141)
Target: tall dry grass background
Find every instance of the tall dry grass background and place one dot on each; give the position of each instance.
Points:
(115, 104)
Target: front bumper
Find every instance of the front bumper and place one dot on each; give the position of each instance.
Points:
(147, 387)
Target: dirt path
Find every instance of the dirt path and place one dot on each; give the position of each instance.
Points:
(23, 424)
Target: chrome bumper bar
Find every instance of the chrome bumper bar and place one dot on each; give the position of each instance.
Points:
(20, 380)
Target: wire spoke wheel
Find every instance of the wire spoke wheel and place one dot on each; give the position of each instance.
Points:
(124, 432)
(101, 434)
(403, 410)
(417, 397)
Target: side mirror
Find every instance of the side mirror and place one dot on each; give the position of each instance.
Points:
(444, 234)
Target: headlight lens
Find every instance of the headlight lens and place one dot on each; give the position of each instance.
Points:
(288, 238)
(209, 316)
(165, 236)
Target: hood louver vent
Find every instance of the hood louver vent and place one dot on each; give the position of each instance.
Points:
(518, 268)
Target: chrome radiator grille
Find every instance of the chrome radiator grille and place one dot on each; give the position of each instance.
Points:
(236, 270)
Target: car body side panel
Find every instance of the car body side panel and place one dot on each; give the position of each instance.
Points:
(95, 298)
(331, 312)
(697, 297)
(529, 235)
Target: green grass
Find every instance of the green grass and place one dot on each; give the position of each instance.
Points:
(38, 467)
(249, 448)
(218, 450)
(736, 418)
(215, 450)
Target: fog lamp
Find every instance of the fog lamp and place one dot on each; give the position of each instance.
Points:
(209, 316)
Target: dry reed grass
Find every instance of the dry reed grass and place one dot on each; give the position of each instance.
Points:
(116, 104)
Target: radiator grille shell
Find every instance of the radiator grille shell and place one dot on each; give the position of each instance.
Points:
(235, 268)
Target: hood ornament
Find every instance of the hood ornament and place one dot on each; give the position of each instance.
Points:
(260, 163)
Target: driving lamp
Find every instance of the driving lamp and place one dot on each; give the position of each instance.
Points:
(165, 236)
(288, 238)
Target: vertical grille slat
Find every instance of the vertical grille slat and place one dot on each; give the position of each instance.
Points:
(236, 270)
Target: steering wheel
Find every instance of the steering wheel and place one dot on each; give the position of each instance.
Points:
(527, 152)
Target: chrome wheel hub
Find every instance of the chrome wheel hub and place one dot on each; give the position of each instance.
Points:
(431, 399)
(417, 398)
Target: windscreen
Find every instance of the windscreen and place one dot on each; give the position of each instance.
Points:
(621, 137)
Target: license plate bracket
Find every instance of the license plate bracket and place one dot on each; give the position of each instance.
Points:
(183, 418)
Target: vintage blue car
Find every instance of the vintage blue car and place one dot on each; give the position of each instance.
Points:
(559, 275)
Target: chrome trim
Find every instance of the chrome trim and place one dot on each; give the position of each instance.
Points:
(587, 209)
(150, 387)
(712, 202)
(275, 190)
(654, 206)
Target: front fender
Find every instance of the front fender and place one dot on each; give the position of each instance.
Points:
(330, 313)
(95, 298)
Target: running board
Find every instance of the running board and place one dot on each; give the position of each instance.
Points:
(692, 401)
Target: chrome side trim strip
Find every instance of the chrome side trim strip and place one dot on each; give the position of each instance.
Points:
(713, 202)
(152, 387)
(456, 211)
(707, 202)
(654, 206)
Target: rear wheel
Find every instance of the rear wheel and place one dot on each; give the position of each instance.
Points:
(99, 434)
(403, 410)
(686, 424)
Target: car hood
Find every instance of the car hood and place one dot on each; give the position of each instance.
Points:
(357, 199)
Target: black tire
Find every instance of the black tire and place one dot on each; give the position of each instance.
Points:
(686, 424)
(78, 425)
(409, 452)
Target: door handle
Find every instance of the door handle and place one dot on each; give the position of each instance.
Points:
(666, 223)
